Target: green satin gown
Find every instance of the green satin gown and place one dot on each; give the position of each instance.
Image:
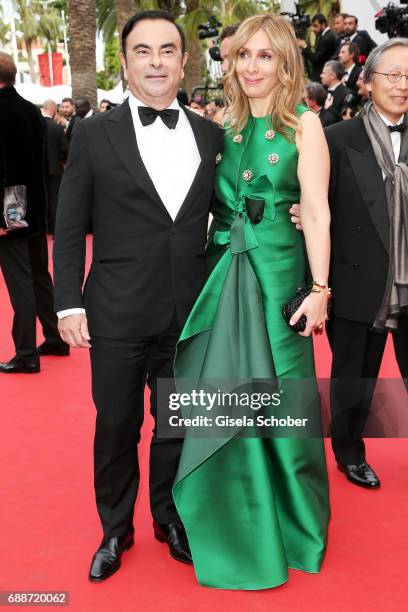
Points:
(251, 507)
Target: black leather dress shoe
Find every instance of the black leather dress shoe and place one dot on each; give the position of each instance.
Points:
(362, 475)
(19, 365)
(106, 561)
(60, 349)
(175, 536)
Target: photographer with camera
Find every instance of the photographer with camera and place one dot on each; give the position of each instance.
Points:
(324, 48)
(355, 105)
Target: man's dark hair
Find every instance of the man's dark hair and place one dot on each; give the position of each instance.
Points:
(354, 50)
(316, 92)
(154, 14)
(322, 19)
(70, 100)
(352, 17)
(229, 31)
(337, 68)
(82, 107)
(219, 102)
(8, 69)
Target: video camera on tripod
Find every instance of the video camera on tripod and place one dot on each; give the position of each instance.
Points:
(392, 20)
(300, 22)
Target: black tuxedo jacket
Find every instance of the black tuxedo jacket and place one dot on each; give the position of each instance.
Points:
(339, 96)
(145, 267)
(360, 226)
(352, 80)
(324, 50)
(70, 128)
(57, 147)
(327, 117)
(22, 158)
(363, 40)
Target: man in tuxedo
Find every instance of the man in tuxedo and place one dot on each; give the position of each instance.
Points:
(348, 56)
(324, 47)
(315, 97)
(360, 37)
(337, 92)
(68, 112)
(143, 175)
(24, 252)
(369, 271)
(56, 153)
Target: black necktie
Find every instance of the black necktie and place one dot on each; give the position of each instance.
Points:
(397, 128)
(148, 115)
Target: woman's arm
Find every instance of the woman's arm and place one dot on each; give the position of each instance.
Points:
(313, 174)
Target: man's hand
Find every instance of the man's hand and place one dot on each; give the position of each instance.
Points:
(3, 232)
(295, 218)
(73, 329)
(347, 114)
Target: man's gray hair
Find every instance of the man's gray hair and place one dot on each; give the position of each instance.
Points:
(376, 54)
(316, 92)
(336, 68)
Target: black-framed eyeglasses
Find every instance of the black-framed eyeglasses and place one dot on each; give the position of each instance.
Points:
(393, 77)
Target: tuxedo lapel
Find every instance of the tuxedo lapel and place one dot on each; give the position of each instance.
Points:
(370, 181)
(121, 133)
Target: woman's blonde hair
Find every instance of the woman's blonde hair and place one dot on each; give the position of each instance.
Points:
(289, 87)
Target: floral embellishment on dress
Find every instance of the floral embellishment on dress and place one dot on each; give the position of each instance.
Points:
(270, 135)
(247, 175)
(273, 158)
(238, 138)
(218, 158)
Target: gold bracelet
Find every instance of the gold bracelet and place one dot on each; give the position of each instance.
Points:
(319, 285)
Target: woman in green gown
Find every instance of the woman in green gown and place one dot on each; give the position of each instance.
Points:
(254, 507)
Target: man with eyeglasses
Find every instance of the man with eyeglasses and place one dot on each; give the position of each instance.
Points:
(369, 269)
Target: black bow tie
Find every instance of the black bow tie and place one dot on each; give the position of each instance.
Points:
(169, 116)
(397, 128)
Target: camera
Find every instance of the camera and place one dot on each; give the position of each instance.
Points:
(210, 29)
(352, 101)
(392, 20)
(300, 22)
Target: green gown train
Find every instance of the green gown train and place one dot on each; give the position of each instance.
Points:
(252, 507)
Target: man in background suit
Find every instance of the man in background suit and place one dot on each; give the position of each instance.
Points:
(369, 277)
(24, 252)
(56, 153)
(315, 97)
(331, 77)
(143, 174)
(68, 111)
(360, 37)
(348, 56)
(324, 47)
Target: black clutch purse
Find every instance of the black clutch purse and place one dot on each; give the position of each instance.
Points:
(293, 304)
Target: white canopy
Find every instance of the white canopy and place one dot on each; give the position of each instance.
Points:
(38, 93)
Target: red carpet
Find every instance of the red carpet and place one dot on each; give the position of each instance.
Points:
(50, 527)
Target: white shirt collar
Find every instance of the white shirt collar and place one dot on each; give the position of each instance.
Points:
(388, 122)
(348, 70)
(135, 102)
(325, 31)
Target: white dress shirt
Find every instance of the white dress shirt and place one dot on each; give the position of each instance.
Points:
(347, 73)
(395, 138)
(171, 158)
